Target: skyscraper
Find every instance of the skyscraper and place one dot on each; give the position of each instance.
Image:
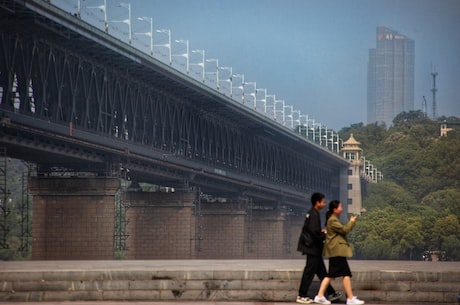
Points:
(390, 76)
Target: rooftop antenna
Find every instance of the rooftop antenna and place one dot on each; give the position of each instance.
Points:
(434, 74)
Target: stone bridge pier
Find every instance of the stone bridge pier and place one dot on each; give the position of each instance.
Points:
(178, 226)
(73, 218)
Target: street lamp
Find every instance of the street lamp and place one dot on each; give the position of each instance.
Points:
(253, 94)
(313, 133)
(241, 86)
(272, 106)
(298, 117)
(184, 54)
(303, 126)
(148, 34)
(79, 9)
(229, 79)
(335, 142)
(201, 64)
(217, 70)
(275, 111)
(324, 136)
(264, 100)
(338, 143)
(166, 45)
(103, 8)
(127, 21)
(319, 130)
(289, 116)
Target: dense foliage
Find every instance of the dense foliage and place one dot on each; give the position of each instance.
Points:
(417, 206)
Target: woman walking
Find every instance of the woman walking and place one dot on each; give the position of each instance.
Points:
(337, 250)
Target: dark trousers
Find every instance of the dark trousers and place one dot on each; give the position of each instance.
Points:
(314, 265)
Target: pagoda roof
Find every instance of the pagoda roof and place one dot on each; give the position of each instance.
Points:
(351, 141)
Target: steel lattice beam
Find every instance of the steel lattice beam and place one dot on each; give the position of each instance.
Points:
(130, 112)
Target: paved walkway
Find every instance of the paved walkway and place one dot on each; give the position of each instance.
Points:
(172, 303)
(218, 265)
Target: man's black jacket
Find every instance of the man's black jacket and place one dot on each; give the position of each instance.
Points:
(312, 226)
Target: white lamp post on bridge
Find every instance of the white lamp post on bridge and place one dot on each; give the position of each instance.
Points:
(229, 79)
(241, 86)
(324, 136)
(312, 128)
(272, 106)
(216, 72)
(296, 120)
(331, 140)
(186, 54)
(303, 124)
(200, 64)
(339, 146)
(275, 111)
(79, 9)
(253, 94)
(103, 8)
(127, 21)
(319, 131)
(148, 34)
(289, 115)
(263, 100)
(166, 45)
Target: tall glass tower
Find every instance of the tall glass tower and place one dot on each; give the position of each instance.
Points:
(390, 76)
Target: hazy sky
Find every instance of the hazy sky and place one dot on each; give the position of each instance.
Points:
(312, 53)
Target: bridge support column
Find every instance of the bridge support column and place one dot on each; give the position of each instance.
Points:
(222, 231)
(292, 228)
(160, 225)
(266, 234)
(73, 218)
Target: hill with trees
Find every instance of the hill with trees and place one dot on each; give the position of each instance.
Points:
(417, 206)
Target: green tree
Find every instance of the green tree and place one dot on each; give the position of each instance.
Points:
(451, 244)
(445, 201)
(388, 193)
(444, 227)
(371, 237)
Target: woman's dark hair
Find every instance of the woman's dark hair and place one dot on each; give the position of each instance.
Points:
(334, 204)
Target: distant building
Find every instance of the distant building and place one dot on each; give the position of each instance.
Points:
(390, 76)
(445, 127)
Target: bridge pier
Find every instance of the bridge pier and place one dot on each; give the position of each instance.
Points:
(178, 226)
(266, 237)
(160, 225)
(73, 218)
(222, 230)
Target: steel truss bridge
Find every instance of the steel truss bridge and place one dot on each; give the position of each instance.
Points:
(75, 99)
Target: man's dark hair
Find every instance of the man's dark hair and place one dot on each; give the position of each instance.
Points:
(316, 197)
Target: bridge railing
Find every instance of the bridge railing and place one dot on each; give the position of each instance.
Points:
(177, 54)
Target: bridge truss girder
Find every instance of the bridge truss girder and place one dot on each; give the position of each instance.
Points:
(125, 113)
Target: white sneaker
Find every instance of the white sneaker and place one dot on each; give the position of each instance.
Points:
(355, 301)
(304, 300)
(321, 300)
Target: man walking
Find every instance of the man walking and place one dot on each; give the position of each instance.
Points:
(315, 263)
